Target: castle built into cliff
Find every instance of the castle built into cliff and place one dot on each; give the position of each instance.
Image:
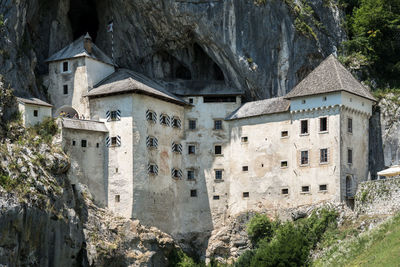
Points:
(186, 158)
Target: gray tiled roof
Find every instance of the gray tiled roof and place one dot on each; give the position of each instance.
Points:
(33, 101)
(84, 125)
(329, 76)
(202, 88)
(127, 81)
(261, 107)
(77, 49)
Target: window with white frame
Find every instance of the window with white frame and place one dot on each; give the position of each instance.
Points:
(284, 164)
(323, 155)
(284, 134)
(305, 189)
(323, 187)
(304, 157)
(244, 139)
(218, 174)
(285, 191)
(218, 150)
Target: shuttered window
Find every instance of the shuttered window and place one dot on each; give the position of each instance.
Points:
(113, 115)
(151, 142)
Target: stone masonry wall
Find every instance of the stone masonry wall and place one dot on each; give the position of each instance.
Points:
(378, 197)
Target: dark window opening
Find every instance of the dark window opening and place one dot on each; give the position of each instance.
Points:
(323, 124)
(284, 134)
(244, 139)
(245, 168)
(183, 73)
(192, 124)
(83, 143)
(191, 149)
(285, 191)
(191, 100)
(83, 17)
(246, 194)
(65, 89)
(35, 113)
(113, 115)
(193, 193)
(305, 189)
(304, 158)
(219, 99)
(323, 187)
(190, 174)
(349, 125)
(218, 74)
(73, 143)
(97, 145)
(304, 127)
(284, 164)
(117, 198)
(216, 197)
(218, 150)
(113, 141)
(218, 174)
(217, 124)
(65, 66)
(323, 155)
(349, 156)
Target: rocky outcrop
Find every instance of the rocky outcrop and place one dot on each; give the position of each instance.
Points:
(263, 47)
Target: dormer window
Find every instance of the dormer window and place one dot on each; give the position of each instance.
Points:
(65, 66)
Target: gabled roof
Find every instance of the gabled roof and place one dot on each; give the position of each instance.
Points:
(202, 88)
(77, 49)
(330, 76)
(86, 125)
(33, 101)
(126, 81)
(261, 107)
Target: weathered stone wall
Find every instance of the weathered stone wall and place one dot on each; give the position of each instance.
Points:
(378, 197)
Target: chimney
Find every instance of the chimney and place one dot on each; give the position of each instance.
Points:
(88, 43)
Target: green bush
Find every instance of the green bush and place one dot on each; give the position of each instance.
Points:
(260, 227)
(46, 130)
(245, 259)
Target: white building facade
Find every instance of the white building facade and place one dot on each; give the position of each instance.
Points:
(185, 159)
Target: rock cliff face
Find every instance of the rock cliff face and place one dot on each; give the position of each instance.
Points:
(263, 48)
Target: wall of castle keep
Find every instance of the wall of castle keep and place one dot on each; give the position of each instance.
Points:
(266, 149)
(88, 164)
(120, 158)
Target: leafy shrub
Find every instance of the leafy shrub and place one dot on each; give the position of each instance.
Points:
(260, 227)
(245, 259)
(46, 130)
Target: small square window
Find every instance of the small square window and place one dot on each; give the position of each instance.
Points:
(349, 156)
(73, 143)
(113, 141)
(323, 187)
(323, 155)
(304, 127)
(284, 164)
(192, 124)
(244, 139)
(349, 125)
(190, 174)
(324, 98)
(65, 89)
(35, 113)
(116, 170)
(284, 134)
(218, 150)
(323, 124)
(193, 193)
(303, 101)
(217, 124)
(218, 174)
(83, 143)
(304, 157)
(285, 191)
(305, 189)
(97, 145)
(192, 149)
(246, 194)
(216, 197)
(191, 100)
(245, 168)
(65, 66)
(117, 198)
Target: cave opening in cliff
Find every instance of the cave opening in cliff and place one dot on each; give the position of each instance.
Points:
(204, 66)
(83, 18)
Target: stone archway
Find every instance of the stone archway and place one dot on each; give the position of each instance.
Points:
(66, 111)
